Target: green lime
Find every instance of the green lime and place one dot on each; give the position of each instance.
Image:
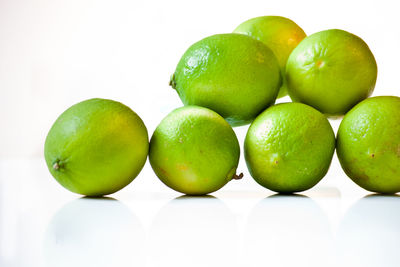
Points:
(96, 147)
(331, 71)
(232, 74)
(289, 147)
(280, 34)
(194, 151)
(368, 144)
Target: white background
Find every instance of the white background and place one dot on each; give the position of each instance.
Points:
(56, 53)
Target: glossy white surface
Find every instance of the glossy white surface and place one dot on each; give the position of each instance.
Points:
(147, 224)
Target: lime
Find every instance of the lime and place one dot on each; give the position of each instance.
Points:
(280, 34)
(331, 71)
(232, 74)
(289, 147)
(368, 144)
(96, 147)
(194, 151)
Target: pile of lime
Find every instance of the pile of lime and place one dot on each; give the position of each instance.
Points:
(99, 146)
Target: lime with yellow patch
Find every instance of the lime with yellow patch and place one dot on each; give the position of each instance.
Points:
(280, 34)
(233, 74)
(289, 147)
(96, 147)
(368, 144)
(194, 151)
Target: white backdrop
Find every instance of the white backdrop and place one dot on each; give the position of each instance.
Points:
(56, 53)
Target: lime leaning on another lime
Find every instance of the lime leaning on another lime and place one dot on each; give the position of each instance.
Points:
(331, 71)
(280, 34)
(233, 74)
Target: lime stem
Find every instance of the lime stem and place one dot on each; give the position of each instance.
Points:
(56, 166)
(237, 177)
(172, 82)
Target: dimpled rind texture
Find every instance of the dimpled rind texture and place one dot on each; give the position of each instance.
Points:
(280, 34)
(194, 151)
(100, 145)
(289, 147)
(368, 144)
(232, 74)
(331, 71)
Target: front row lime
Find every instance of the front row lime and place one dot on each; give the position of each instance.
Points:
(289, 147)
(368, 144)
(194, 151)
(96, 147)
(99, 146)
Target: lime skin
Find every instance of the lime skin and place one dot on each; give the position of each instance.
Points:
(368, 144)
(289, 147)
(194, 151)
(96, 147)
(331, 71)
(280, 34)
(232, 74)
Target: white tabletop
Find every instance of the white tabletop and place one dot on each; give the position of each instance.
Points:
(147, 224)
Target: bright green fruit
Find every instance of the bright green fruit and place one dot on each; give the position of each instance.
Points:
(280, 34)
(232, 74)
(194, 151)
(331, 71)
(289, 147)
(368, 144)
(96, 147)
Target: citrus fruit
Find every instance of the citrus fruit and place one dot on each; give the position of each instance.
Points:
(368, 144)
(194, 151)
(289, 147)
(331, 71)
(280, 34)
(232, 74)
(96, 147)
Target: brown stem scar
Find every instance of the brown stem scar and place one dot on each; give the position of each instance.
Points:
(237, 177)
(56, 166)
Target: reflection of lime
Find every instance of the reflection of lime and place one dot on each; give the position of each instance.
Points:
(194, 151)
(289, 147)
(372, 220)
(368, 144)
(280, 34)
(282, 225)
(94, 232)
(331, 71)
(96, 147)
(186, 228)
(232, 74)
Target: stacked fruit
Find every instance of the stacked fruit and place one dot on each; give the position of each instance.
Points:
(99, 146)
